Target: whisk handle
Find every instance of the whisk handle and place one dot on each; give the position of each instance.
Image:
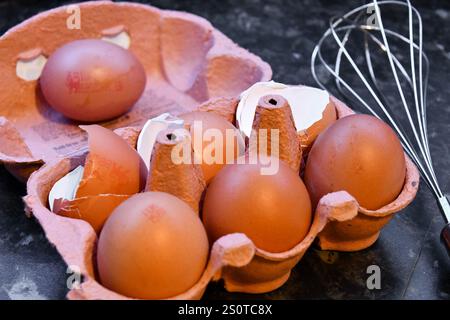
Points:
(445, 237)
(444, 205)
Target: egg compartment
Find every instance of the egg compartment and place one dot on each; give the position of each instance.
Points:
(233, 257)
(364, 229)
(186, 60)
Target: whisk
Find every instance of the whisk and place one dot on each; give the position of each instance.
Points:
(412, 84)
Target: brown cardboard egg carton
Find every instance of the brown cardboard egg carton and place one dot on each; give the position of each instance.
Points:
(33, 136)
(339, 223)
(187, 62)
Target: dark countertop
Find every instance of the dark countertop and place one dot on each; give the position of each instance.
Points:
(412, 261)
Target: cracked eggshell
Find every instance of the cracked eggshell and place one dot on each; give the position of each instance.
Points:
(113, 171)
(312, 109)
(147, 137)
(93, 209)
(180, 73)
(112, 166)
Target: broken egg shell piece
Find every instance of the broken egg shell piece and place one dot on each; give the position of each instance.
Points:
(66, 187)
(308, 105)
(112, 166)
(150, 131)
(308, 136)
(92, 209)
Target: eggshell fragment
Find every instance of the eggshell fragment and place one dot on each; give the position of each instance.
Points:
(152, 247)
(112, 166)
(150, 131)
(312, 109)
(66, 187)
(245, 112)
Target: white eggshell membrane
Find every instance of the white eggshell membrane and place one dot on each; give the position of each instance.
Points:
(66, 187)
(307, 104)
(150, 131)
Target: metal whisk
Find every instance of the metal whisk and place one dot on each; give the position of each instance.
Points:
(343, 31)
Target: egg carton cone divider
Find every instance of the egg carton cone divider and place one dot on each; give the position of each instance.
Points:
(274, 113)
(184, 181)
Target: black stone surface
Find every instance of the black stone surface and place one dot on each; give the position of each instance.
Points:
(413, 264)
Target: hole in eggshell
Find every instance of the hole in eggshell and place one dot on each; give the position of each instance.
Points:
(122, 39)
(30, 69)
(273, 102)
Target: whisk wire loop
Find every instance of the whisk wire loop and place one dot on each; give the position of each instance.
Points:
(417, 146)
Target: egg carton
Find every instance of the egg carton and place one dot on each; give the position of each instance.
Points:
(33, 136)
(186, 60)
(339, 222)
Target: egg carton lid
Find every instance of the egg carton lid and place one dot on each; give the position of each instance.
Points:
(186, 59)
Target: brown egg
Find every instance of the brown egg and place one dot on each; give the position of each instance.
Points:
(274, 211)
(92, 80)
(112, 166)
(361, 155)
(112, 172)
(153, 246)
(205, 146)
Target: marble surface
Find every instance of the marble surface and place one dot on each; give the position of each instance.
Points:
(413, 263)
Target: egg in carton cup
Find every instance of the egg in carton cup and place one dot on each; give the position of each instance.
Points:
(186, 61)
